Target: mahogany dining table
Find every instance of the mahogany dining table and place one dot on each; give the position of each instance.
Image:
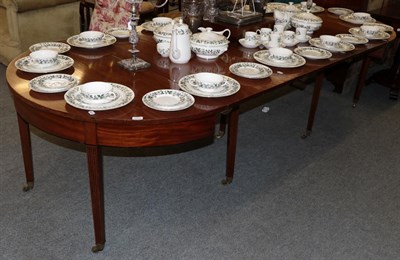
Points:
(136, 125)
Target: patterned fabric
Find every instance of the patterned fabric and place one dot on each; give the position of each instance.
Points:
(110, 14)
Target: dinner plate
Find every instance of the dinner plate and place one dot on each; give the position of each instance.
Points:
(248, 45)
(53, 83)
(264, 58)
(119, 32)
(342, 46)
(352, 38)
(56, 46)
(106, 41)
(229, 87)
(381, 35)
(340, 11)
(168, 100)
(149, 26)
(250, 70)
(313, 53)
(384, 27)
(123, 96)
(26, 64)
(351, 19)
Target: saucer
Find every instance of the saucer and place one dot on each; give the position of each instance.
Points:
(308, 37)
(268, 45)
(343, 46)
(106, 41)
(340, 11)
(53, 83)
(149, 26)
(314, 9)
(119, 32)
(229, 87)
(168, 100)
(26, 64)
(248, 45)
(56, 46)
(313, 53)
(264, 58)
(270, 7)
(123, 96)
(352, 38)
(381, 35)
(351, 19)
(250, 70)
(384, 27)
(295, 42)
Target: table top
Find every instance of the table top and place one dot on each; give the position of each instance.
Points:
(101, 65)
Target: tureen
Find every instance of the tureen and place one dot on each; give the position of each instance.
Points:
(164, 33)
(283, 14)
(209, 44)
(307, 20)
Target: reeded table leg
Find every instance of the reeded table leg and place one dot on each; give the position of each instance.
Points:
(314, 103)
(361, 80)
(95, 167)
(26, 146)
(233, 121)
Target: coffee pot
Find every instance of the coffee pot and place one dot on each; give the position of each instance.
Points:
(180, 51)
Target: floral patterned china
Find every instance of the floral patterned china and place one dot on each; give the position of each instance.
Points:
(122, 96)
(352, 18)
(53, 83)
(28, 65)
(313, 53)
(250, 70)
(384, 27)
(229, 87)
(264, 57)
(340, 11)
(168, 100)
(119, 32)
(352, 38)
(107, 40)
(380, 35)
(57, 46)
(342, 46)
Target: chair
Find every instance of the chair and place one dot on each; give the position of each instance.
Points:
(23, 23)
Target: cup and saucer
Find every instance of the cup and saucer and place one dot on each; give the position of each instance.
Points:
(331, 43)
(44, 61)
(249, 44)
(304, 39)
(91, 40)
(208, 81)
(98, 95)
(279, 57)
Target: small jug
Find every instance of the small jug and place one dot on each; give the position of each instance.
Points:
(180, 51)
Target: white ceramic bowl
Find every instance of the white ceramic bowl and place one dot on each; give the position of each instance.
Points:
(279, 54)
(208, 52)
(96, 90)
(330, 41)
(208, 81)
(163, 48)
(44, 58)
(91, 36)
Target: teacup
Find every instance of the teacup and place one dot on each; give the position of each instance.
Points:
(274, 40)
(288, 37)
(330, 41)
(301, 34)
(361, 16)
(370, 29)
(96, 90)
(264, 34)
(208, 81)
(161, 21)
(44, 58)
(279, 28)
(91, 36)
(279, 54)
(163, 48)
(251, 37)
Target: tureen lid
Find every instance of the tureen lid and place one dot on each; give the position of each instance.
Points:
(208, 37)
(290, 8)
(307, 17)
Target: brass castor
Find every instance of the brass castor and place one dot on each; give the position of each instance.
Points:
(306, 134)
(28, 186)
(226, 181)
(97, 248)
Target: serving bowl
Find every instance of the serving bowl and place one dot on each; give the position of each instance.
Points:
(306, 20)
(209, 44)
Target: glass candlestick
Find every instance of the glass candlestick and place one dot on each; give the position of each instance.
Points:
(134, 63)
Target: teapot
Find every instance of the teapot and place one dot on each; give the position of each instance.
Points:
(180, 51)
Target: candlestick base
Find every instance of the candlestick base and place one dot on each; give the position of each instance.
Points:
(134, 64)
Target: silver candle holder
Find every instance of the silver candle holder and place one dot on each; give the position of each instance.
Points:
(134, 63)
